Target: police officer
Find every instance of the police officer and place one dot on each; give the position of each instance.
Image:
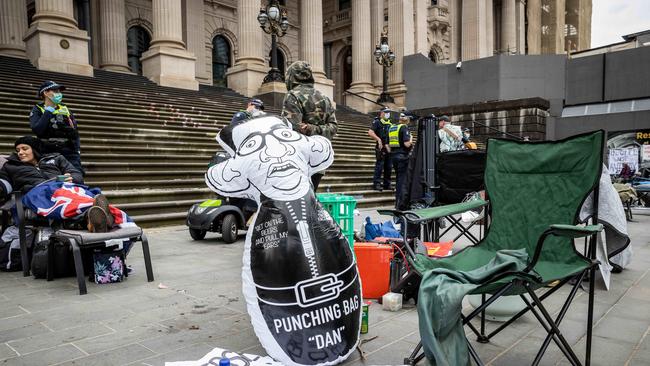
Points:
(379, 132)
(54, 124)
(400, 142)
(254, 108)
(307, 109)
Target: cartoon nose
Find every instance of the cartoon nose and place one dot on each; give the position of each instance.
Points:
(274, 148)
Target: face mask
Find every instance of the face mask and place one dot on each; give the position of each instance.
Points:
(56, 98)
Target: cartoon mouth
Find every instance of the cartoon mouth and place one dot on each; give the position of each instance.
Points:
(282, 169)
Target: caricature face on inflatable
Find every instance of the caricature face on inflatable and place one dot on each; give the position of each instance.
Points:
(299, 276)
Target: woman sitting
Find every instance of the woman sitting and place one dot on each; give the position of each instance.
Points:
(27, 169)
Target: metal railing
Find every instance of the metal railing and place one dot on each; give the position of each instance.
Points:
(345, 93)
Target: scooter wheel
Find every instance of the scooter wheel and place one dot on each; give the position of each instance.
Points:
(197, 234)
(229, 228)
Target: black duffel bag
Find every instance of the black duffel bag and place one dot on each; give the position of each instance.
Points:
(63, 261)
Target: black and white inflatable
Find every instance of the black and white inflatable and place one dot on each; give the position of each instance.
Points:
(299, 277)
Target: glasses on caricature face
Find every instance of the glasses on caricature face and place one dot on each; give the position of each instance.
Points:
(258, 140)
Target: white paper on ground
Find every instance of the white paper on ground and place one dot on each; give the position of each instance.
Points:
(236, 359)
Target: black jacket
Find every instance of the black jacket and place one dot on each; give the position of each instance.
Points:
(47, 125)
(23, 176)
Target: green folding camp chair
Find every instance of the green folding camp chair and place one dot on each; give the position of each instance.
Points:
(536, 190)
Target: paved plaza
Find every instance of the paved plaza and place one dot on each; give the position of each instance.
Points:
(196, 304)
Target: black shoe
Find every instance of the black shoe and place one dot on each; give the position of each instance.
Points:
(97, 220)
(102, 201)
(377, 187)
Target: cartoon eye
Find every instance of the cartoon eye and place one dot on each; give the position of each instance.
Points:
(250, 146)
(286, 135)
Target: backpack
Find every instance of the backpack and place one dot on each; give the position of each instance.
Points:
(109, 265)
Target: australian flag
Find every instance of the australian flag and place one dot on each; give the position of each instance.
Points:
(60, 201)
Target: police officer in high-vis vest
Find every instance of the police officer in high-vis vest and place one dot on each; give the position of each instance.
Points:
(400, 142)
(379, 132)
(54, 124)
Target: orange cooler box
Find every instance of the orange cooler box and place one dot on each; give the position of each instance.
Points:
(373, 261)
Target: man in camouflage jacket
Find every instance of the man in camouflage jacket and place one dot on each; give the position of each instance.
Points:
(309, 111)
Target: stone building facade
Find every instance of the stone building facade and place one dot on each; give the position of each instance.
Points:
(184, 43)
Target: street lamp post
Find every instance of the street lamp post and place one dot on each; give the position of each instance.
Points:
(385, 57)
(273, 20)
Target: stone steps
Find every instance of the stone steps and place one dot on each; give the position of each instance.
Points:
(148, 146)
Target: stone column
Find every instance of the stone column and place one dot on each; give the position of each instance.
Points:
(53, 41)
(13, 24)
(488, 13)
(421, 26)
(508, 30)
(376, 27)
(167, 62)
(58, 12)
(362, 58)
(113, 36)
(553, 42)
(249, 69)
(195, 37)
(455, 13)
(534, 33)
(474, 32)
(521, 26)
(311, 43)
(401, 40)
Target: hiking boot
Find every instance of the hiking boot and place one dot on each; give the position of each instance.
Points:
(97, 220)
(102, 201)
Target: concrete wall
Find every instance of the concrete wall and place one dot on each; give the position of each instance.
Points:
(569, 126)
(627, 74)
(608, 77)
(488, 79)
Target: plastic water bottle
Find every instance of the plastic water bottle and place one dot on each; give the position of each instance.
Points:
(224, 362)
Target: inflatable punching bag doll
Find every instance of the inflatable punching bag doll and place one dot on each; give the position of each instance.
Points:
(299, 277)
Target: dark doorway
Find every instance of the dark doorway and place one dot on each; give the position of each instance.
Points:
(347, 69)
(220, 60)
(137, 41)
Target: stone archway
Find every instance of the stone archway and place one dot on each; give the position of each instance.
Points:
(343, 73)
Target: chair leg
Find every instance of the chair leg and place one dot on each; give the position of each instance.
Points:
(78, 266)
(412, 359)
(474, 354)
(590, 315)
(22, 235)
(554, 329)
(561, 315)
(147, 257)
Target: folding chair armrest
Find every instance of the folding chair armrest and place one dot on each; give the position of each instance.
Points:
(575, 231)
(389, 212)
(570, 231)
(431, 213)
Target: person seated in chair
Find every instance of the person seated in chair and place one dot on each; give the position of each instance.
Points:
(27, 168)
